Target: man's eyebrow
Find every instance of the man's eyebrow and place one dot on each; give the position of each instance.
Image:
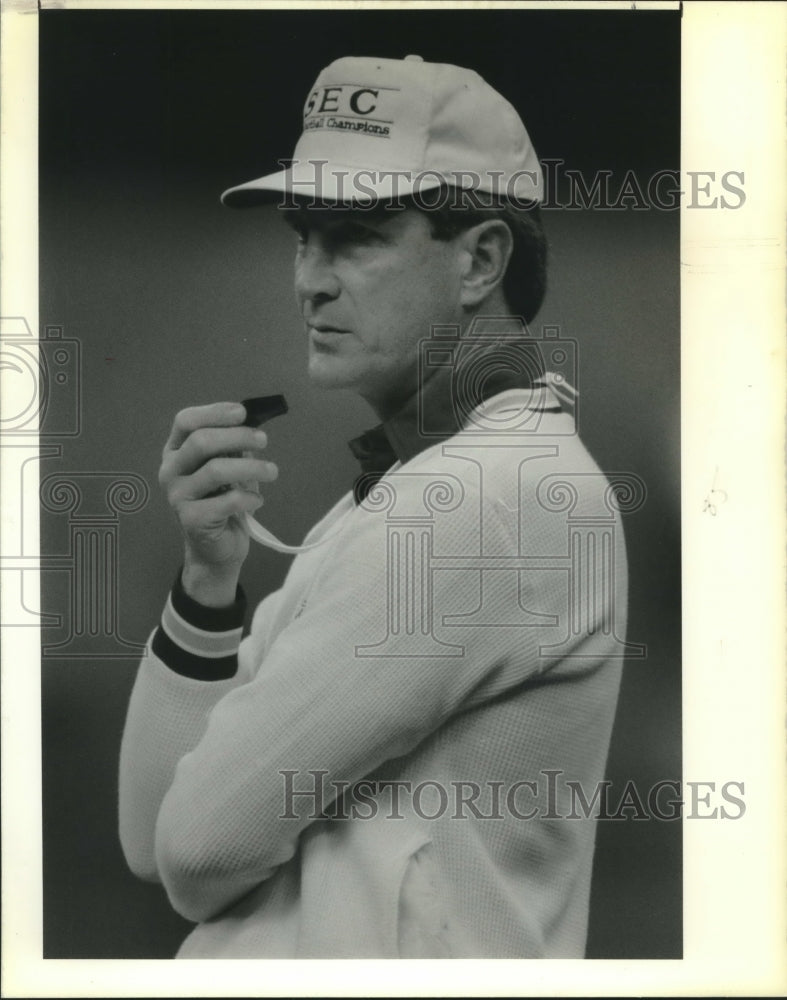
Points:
(299, 218)
(379, 213)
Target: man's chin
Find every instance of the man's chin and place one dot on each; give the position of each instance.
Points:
(326, 373)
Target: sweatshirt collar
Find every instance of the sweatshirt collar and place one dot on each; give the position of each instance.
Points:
(470, 373)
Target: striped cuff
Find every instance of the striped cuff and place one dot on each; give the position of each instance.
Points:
(200, 642)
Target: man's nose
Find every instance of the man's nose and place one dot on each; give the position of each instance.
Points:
(315, 276)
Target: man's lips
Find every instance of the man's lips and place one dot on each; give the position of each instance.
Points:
(324, 337)
(324, 328)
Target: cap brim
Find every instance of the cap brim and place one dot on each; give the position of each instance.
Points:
(261, 191)
(316, 182)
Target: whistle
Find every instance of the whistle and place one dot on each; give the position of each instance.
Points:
(261, 409)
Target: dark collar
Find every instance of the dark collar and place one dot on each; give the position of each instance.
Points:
(462, 375)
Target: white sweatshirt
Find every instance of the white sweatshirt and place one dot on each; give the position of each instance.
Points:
(448, 660)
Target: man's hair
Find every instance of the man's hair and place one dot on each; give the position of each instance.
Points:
(525, 280)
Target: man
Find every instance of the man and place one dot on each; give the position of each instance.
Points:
(398, 760)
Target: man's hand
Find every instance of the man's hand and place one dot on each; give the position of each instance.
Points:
(208, 451)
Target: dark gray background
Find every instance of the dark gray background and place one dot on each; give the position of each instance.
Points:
(144, 118)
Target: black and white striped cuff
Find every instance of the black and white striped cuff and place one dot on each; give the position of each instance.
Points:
(200, 642)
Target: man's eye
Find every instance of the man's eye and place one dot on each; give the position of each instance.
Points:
(354, 232)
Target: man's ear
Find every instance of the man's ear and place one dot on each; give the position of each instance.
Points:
(487, 250)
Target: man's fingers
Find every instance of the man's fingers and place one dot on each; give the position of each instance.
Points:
(218, 472)
(212, 513)
(193, 417)
(207, 443)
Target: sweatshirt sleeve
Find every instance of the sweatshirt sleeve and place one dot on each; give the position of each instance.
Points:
(190, 663)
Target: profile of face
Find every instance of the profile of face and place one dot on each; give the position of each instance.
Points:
(370, 285)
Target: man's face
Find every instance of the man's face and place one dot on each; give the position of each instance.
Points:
(370, 285)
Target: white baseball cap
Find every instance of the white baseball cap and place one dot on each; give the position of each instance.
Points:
(380, 128)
